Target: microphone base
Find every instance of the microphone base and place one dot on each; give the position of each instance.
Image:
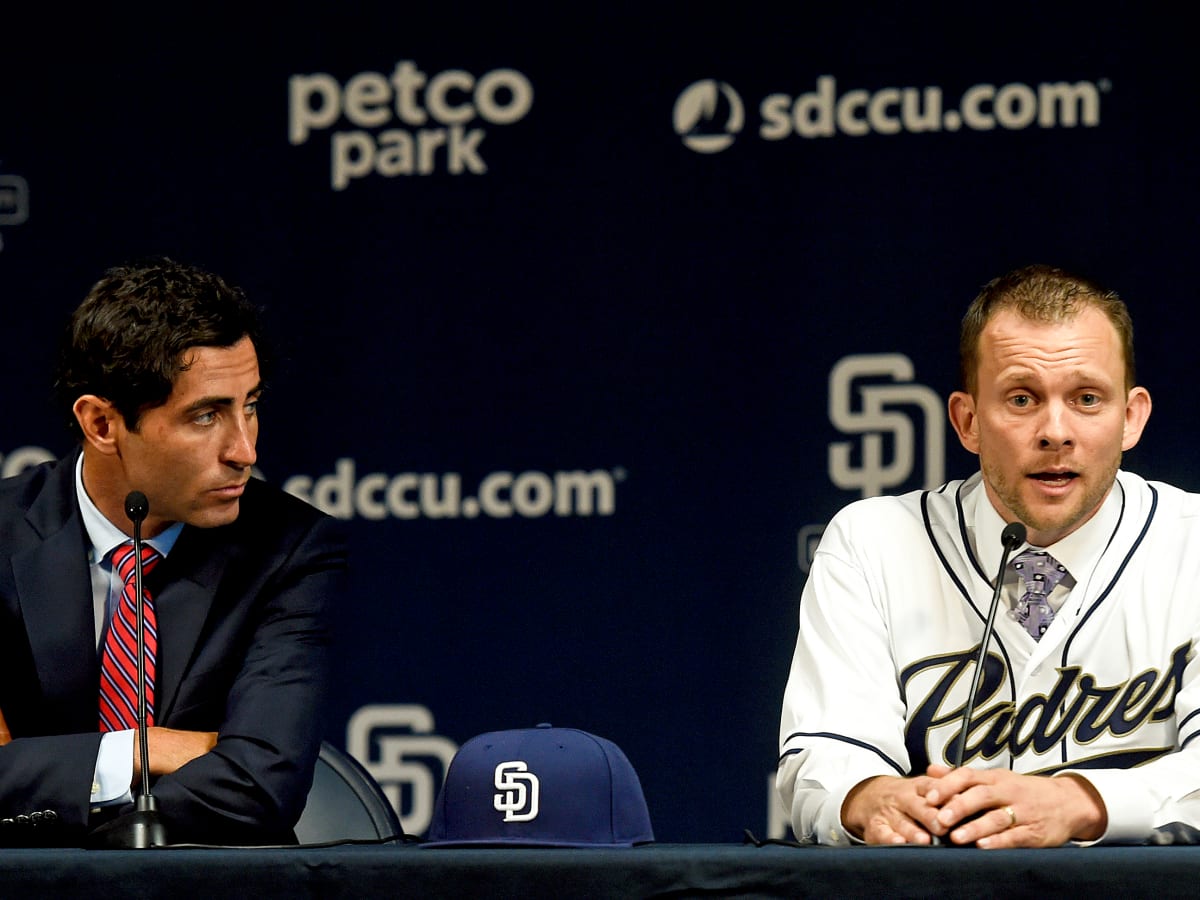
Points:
(936, 841)
(137, 830)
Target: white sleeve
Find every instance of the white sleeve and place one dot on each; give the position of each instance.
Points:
(843, 713)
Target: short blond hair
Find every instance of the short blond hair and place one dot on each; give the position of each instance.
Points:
(1041, 294)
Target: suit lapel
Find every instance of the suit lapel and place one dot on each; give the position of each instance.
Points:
(54, 589)
(189, 575)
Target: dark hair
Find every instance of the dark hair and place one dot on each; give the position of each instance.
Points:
(1041, 294)
(127, 341)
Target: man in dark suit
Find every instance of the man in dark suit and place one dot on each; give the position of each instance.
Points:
(160, 378)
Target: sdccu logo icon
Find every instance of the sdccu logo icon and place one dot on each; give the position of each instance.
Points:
(434, 111)
(700, 107)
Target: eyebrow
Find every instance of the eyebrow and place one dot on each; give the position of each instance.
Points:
(221, 401)
(1022, 374)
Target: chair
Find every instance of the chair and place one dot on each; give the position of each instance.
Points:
(345, 803)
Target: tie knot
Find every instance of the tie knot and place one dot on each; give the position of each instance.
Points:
(123, 561)
(1040, 572)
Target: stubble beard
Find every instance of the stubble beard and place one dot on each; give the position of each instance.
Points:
(1055, 521)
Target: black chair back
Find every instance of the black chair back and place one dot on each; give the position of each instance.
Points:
(345, 803)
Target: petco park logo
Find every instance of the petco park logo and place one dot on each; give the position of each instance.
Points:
(872, 397)
(408, 123)
(709, 114)
(517, 792)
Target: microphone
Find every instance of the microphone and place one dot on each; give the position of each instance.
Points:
(137, 507)
(141, 828)
(1011, 537)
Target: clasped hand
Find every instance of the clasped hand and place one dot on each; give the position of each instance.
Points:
(990, 808)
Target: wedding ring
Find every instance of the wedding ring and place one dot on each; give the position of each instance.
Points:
(1012, 817)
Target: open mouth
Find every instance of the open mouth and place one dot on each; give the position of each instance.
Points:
(1054, 478)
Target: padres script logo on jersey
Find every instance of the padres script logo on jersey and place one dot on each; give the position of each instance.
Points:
(1076, 703)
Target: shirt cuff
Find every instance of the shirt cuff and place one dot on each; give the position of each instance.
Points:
(114, 769)
(1129, 821)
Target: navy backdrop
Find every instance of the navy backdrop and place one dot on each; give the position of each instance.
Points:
(589, 320)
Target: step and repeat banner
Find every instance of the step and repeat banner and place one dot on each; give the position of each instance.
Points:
(589, 322)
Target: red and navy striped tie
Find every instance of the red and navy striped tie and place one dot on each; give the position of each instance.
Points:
(118, 663)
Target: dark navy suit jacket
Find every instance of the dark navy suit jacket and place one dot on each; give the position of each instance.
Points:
(243, 650)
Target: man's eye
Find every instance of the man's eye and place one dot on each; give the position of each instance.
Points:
(206, 418)
(1020, 401)
(1088, 399)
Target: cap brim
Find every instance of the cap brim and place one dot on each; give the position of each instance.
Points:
(450, 843)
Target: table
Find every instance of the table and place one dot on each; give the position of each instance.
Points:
(677, 870)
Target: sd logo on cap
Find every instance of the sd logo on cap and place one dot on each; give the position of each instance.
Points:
(540, 787)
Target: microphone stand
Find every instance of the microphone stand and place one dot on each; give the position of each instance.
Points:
(141, 828)
(1012, 537)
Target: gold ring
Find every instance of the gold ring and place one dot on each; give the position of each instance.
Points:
(1012, 817)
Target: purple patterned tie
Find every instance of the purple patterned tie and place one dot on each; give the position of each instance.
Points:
(1040, 572)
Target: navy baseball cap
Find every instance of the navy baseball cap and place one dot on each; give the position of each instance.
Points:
(540, 787)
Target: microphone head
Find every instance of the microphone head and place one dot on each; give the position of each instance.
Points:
(137, 506)
(1012, 535)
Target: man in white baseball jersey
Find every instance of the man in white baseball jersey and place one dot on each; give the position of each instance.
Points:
(1088, 708)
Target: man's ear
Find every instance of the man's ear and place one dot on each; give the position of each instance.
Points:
(1137, 413)
(965, 421)
(100, 422)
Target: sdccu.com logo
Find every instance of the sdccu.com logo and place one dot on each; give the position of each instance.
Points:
(346, 493)
(709, 114)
